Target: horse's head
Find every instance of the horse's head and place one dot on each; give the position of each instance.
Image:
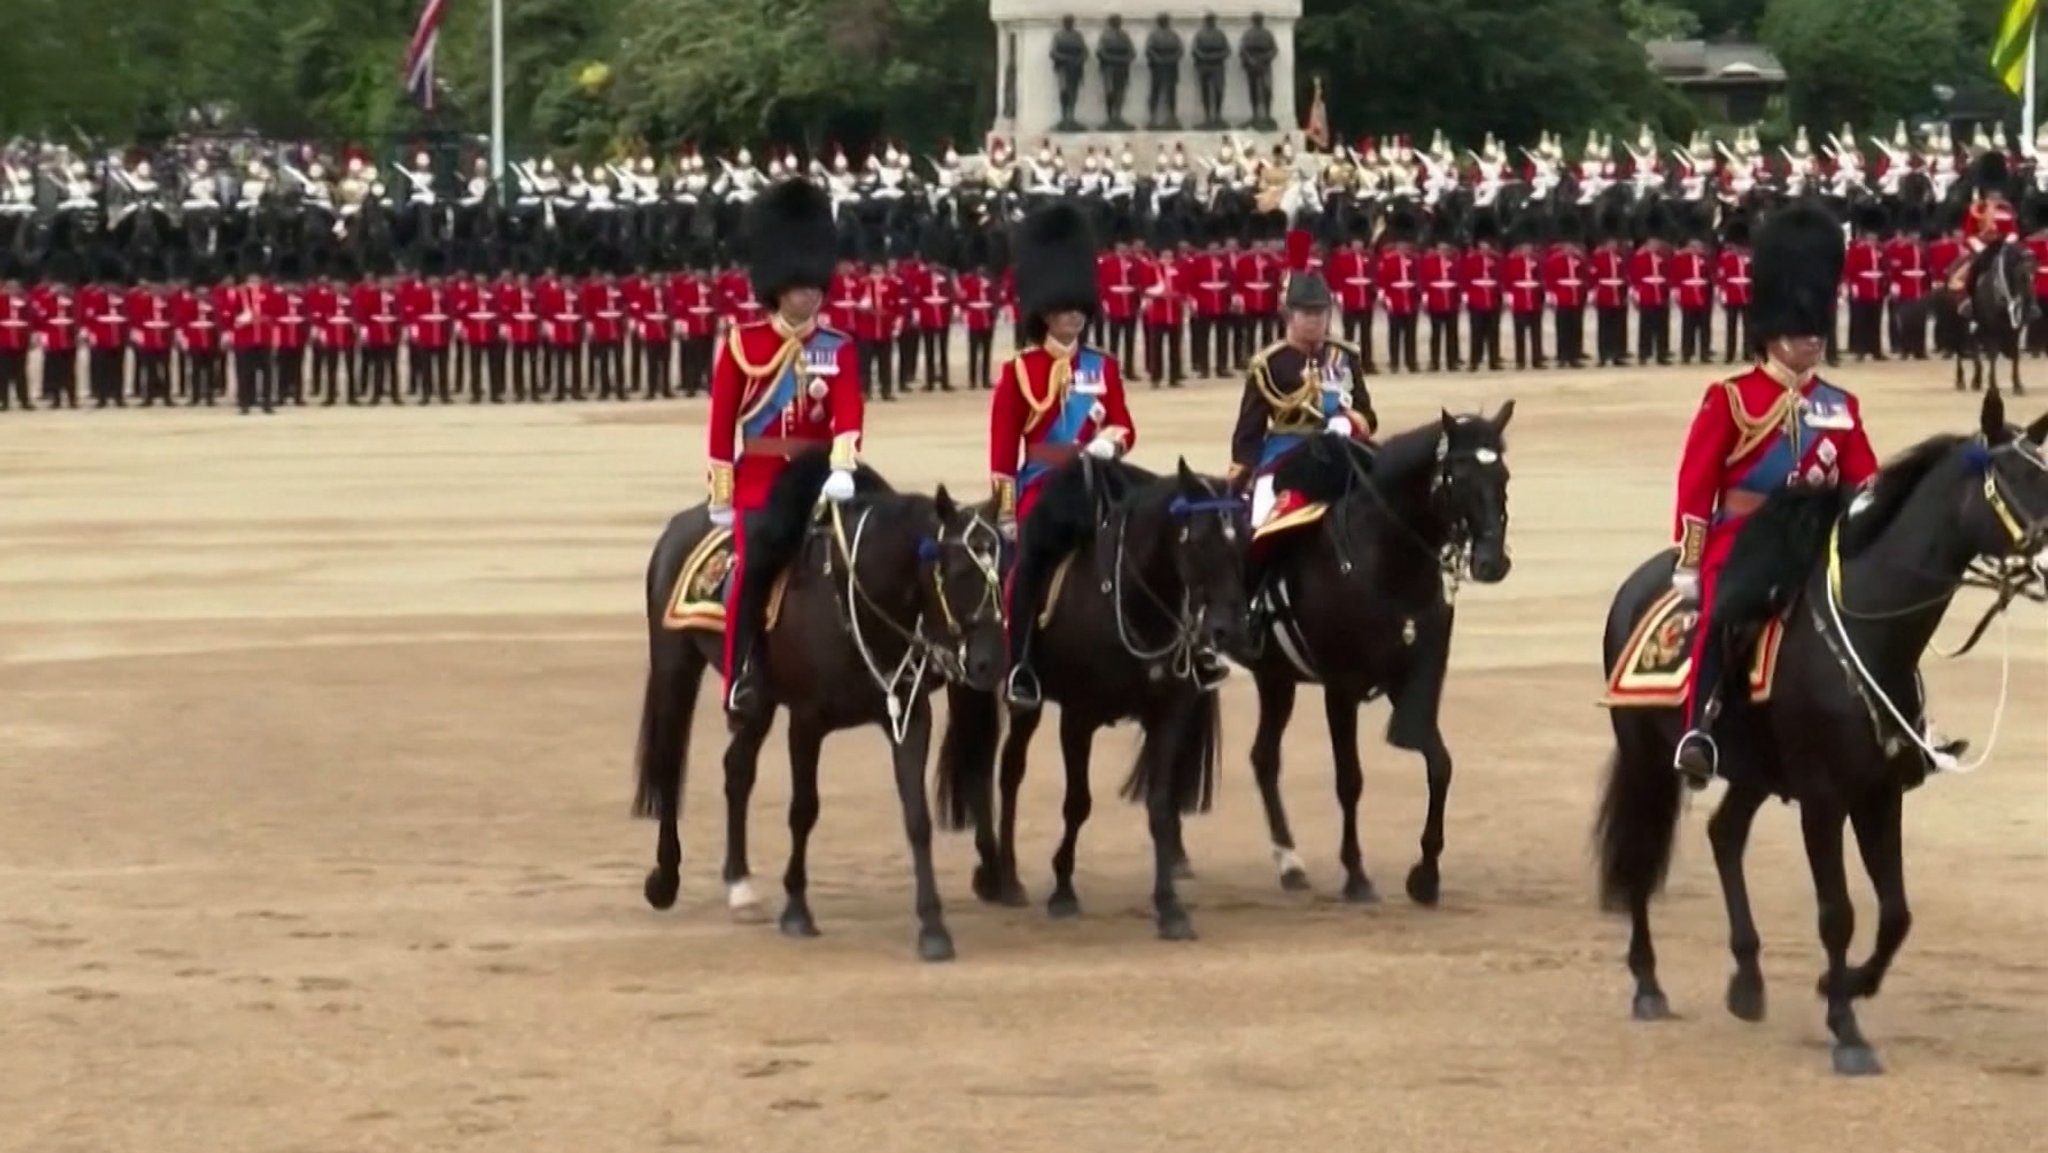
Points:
(965, 553)
(1207, 543)
(1471, 489)
(2007, 515)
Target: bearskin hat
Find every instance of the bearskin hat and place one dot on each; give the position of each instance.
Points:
(1872, 220)
(1988, 174)
(1485, 227)
(1571, 225)
(1403, 224)
(1735, 229)
(2034, 214)
(791, 241)
(1795, 275)
(1055, 267)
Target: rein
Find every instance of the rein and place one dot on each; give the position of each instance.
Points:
(2008, 579)
(1454, 555)
(1180, 648)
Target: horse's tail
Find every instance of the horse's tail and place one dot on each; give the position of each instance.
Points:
(1197, 746)
(1638, 820)
(967, 754)
(674, 674)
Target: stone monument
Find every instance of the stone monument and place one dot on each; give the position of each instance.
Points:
(1066, 73)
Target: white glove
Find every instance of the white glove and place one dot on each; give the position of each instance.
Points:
(1338, 426)
(721, 515)
(1103, 448)
(839, 486)
(1686, 582)
(1007, 526)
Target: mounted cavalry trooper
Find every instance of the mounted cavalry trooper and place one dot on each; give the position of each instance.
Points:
(1306, 384)
(780, 387)
(1776, 425)
(1056, 400)
(1989, 223)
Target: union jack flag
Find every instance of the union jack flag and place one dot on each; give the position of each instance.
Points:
(419, 55)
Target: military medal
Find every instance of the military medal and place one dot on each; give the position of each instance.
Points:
(1096, 412)
(817, 390)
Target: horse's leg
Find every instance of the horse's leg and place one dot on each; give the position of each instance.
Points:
(1162, 814)
(805, 742)
(1342, 711)
(1276, 708)
(675, 672)
(1016, 751)
(2018, 389)
(742, 757)
(1956, 355)
(1882, 844)
(1821, 821)
(1077, 743)
(1728, 833)
(934, 943)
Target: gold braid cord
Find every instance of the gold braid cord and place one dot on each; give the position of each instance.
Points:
(1005, 490)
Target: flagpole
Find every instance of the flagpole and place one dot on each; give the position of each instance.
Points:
(498, 91)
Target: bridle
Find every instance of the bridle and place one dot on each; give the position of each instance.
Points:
(982, 542)
(1180, 648)
(1454, 555)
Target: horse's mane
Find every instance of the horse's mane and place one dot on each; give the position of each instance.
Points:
(1405, 453)
(1895, 482)
(794, 494)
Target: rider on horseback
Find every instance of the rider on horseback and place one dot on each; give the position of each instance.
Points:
(1302, 385)
(1989, 223)
(1056, 400)
(1776, 425)
(780, 387)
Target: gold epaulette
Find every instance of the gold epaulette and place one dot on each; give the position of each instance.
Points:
(1753, 430)
(1346, 345)
(1259, 357)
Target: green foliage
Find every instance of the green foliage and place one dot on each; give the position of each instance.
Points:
(1652, 20)
(1862, 60)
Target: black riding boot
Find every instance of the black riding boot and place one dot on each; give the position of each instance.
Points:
(746, 696)
(1021, 624)
(1697, 757)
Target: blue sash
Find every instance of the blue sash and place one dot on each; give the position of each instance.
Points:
(819, 357)
(1335, 387)
(1825, 407)
(1086, 389)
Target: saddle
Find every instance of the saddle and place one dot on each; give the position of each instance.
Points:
(697, 603)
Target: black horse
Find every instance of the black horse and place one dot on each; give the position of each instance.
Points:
(879, 602)
(2001, 303)
(1859, 589)
(1152, 572)
(1360, 601)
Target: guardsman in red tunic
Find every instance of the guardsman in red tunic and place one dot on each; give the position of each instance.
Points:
(149, 326)
(1116, 276)
(1440, 297)
(462, 297)
(1400, 278)
(604, 306)
(1649, 281)
(980, 300)
(1988, 223)
(1775, 425)
(106, 338)
(285, 316)
(255, 384)
(481, 328)
(428, 329)
(1863, 271)
(1568, 284)
(642, 299)
(1352, 276)
(2036, 223)
(1479, 274)
(780, 387)
(15, 325)
(934, 307)
(1166, 284)
(1731, 279)
(1610, 292)
(1522, 277)
(1055, 400)
(1906, 266)
(1692, 278)
(521, 318)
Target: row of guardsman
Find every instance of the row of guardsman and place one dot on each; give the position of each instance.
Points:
(191, 212)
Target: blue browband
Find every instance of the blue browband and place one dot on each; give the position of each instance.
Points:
(1182, 508)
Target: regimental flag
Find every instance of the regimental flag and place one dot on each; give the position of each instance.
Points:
(2015, 37)
(419, 54)
(1317, 130)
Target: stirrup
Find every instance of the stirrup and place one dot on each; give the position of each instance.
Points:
(1022, 690)
(1211, 669)
(1697, 758)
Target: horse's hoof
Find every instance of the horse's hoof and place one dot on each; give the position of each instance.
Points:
(662, 888)
(1746, 998)
(1063, 907)
(1013, 896)
(933, 945)
(797, 923)
(1295, 880)
(1856, 1061)
(1183, 870)
(743, 903)
(1359, 891)
(986, 889)
(1424, 886)
(1650, 1007)
(1176, 926)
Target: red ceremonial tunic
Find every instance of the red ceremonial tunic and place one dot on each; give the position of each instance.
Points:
(1732, 276)
(1863, 271)
(1046, 407)
(1479, 272)
(1990, 220)
(1754, 434)
(1351, 275)
(1398, 276)
(1905, 262)
(149, 319)
(1565, 273)
(1523, 274)
(776, 393)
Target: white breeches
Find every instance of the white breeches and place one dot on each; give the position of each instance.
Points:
(1263, 500)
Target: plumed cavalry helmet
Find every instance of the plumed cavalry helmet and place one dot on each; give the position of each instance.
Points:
(790, 240)
(1794, 274)
(1055, 268)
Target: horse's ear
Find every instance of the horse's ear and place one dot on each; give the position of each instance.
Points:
(2038, 431)
(1187, 476)
(944, 501)
(1993, 419)
(1501, 418)
(1450, 423)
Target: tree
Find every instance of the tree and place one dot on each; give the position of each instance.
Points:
(1862, 60)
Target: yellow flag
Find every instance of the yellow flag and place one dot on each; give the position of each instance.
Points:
(2015, 36)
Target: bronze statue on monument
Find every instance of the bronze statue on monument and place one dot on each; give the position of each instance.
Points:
(1069, 59)
(1212, 55)
(1114, 54)
(1163, 54)
(1257, 50)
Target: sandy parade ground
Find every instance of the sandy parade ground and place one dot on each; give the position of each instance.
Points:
(315, 744)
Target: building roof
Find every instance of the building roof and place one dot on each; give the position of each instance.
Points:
(1698, 63)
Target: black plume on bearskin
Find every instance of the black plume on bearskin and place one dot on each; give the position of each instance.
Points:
(1796, 273)
(1776, 551)
(790, 240)
(1055, 267)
